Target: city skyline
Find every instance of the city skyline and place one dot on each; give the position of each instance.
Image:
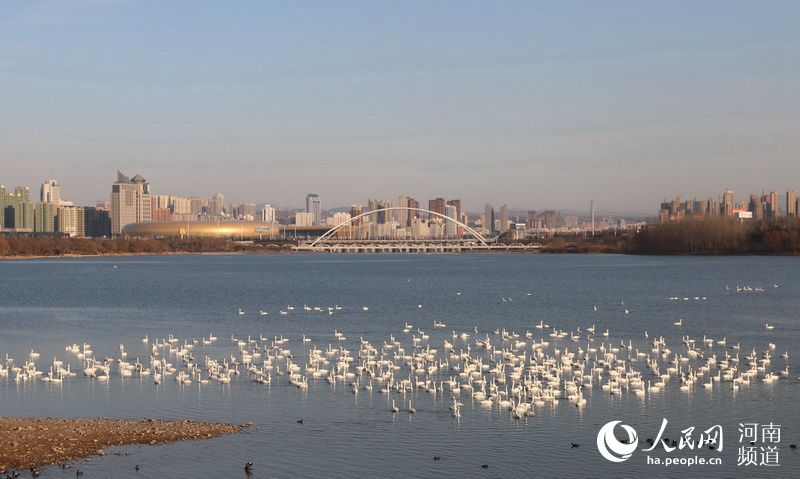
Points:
(50, 191)
(131, 202)
(499, 103)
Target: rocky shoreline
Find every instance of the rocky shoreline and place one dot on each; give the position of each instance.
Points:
(32, 442)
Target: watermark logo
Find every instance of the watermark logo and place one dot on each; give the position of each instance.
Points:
(611, 448)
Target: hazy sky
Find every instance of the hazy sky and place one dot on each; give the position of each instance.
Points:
(533, 104)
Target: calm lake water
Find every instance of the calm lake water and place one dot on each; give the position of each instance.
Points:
(47, 305)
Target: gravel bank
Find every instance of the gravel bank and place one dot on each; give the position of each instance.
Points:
(32, 442)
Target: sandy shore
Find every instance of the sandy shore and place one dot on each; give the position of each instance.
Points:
(32, 442)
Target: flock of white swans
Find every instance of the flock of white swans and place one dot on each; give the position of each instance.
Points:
(514, 371)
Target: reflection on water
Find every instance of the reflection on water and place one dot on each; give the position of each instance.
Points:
(527, 393)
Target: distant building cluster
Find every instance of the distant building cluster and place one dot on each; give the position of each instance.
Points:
(131, 202)
(51, 214)
(764, 206)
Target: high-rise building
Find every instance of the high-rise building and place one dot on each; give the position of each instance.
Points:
(159, 208)
(45, 218)
(380, 217)
(314, 207)
(488, 218)
(2, 207)
(130, 202)
(503, 219)
(457, 205)
(96, 222)
(216, 205)
(372, 205)
(198, 206)
(437, 206)
(791, 203)
(756, 207)
(180, 206)
(383, 217)
(700, 207)
(160, 201)
(450, 230)
(531, 219)
(304, 219)
(402, 215)
(712, 206)
(726, 208)
(50, 192)
(244, 211)
(550, 219)
(415, 213)
(18, 210)
(773, 205)
(267, 214)
(71, 220)
(356, 210)
(339, 218)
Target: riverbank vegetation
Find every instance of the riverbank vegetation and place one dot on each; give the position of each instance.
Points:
(704, 236)
(717, 235)
(26, 246)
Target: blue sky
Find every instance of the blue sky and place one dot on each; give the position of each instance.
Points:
(532, 104)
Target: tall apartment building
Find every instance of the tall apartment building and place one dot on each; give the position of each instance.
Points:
(384, 217)
(197, 206)
(130, 202)
(791, 204)
(381, 217)
(437, 205)
(372, 205)
(304, 219)
(314, 206)
(18, 209)
(412, 203)
(216, 205)
(450, 228)
(756, 207)
(726, 208)
(50, 192)
(503, 219)
(488, 219)
(181, 206)
(96, 222)
(356, 210)
(159, 208)
(338, 218)
(403, 215)
(459, 217)
(244, 211)
(457, 205)
(773, 205)
(267, 214)
(71, 220)
(45, 217)
(550, 219)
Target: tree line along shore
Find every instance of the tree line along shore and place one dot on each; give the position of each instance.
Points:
(711, 235)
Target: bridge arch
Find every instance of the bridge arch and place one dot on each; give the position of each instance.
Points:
(336, 228)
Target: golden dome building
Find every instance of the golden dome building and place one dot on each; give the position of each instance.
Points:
(236, 230)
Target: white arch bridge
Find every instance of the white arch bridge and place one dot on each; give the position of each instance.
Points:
(330, 242)
(401, 246)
